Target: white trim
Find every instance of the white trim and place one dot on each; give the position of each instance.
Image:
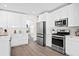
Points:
(13, 11)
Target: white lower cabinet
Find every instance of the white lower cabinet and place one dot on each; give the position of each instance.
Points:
(19, 39)
(72, 46)
(4, 46)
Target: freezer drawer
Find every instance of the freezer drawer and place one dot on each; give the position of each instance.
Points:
(40, 40)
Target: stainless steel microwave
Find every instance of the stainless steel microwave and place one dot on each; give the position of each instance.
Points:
(62, 22)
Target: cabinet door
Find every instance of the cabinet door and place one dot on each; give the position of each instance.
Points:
(4, 47)
(70, 15)
(21, 20)
(76, 14)
(73, 14)
(3, 19)
(69, 46)
(72, 46)
(58, 14)
(15, 19)
(12, 19)
(70, 11)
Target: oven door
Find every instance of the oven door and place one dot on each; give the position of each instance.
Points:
(58, 41)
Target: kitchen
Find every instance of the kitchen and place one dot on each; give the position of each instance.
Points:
(69, 12)
(56, 29)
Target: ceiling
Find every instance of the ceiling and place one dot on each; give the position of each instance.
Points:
(30, 8)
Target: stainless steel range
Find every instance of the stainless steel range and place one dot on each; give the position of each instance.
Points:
(58, 41)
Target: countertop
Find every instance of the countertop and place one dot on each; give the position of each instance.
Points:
(4, 37)
(72, 37)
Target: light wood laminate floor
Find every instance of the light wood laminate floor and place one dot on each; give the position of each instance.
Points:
(33, 49)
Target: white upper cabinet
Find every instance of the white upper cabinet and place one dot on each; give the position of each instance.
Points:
(58, 14)
(70, 15)
(73, 15)
(10, 19)
(70, 11)
(3, 19)
(15, 20)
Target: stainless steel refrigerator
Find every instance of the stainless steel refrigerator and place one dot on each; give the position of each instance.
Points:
(41, 33)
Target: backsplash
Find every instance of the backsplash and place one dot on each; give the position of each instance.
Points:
(10, 31)
(17, 30)
(3, 31)
(72, 29)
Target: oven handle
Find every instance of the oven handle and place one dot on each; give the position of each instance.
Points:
(57, 38)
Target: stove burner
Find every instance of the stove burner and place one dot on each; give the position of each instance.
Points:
(61, 33)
